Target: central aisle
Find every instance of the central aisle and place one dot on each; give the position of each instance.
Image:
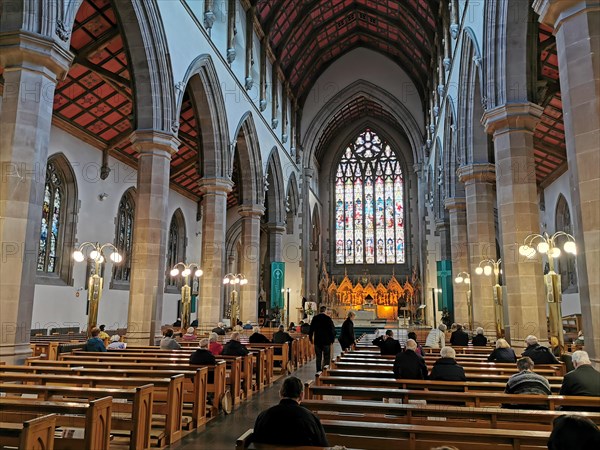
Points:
(221, 433)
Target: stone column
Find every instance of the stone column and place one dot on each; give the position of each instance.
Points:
(460, 257)
(512, 127)
(481, 231)
(32, 67)
(577, 28)
(250, 261)
(148, 263)
(442, 226)
(214, 217)
(276, 232)
(306, 235)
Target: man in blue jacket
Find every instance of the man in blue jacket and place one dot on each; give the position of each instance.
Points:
(95, 344)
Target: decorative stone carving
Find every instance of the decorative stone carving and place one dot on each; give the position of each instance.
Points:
(231, 54)
(249, 83)
(209, 19)
(274, 123)
(447, 64)
(454, 28)
(62, 31)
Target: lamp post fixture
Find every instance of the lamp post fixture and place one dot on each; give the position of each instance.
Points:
(234, 279)
(286, 315)
(465, 278)
(186, 291)
(433, 292)
(95, 281)
(548, 245)
(488, 267)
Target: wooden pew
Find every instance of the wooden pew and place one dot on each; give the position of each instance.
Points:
(95, 418)
(34, 434)
(167, 401)
(195, 382)
(138, 406)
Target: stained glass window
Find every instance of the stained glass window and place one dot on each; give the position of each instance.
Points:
(51, 220)
(173, 250)
(369, 204)
(124, 240)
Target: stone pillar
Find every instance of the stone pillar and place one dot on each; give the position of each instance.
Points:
(148, 263)
(460, 255)
(32, 67)
(306, 236)
(214, 217)
(512, 127)
(481, 231)
(577, 28)
(442, 226)
(250, 261)
(276, 232)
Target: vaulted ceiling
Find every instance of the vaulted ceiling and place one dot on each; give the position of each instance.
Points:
(307, 36)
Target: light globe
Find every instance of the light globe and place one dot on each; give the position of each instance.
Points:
(467, 280)
(243, 281)
(479, 270)
(78, 256)
(174, 272)
(458, 279)
(543, 247)
(186, 272)
(116, 257)
(554, 252)
(225, 280)
(94, 254)
(570, 247)
(198, 273)
(487, 270)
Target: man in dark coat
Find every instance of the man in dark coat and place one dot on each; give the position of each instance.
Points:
(257, 337)
(408, 365)
(584, 380)
(234, 347)
(479, 340)
(281, 337)
(322, 335)
(202, 356)
(219, 329)
(446, 368)
(304, 327)
(347, 337)
(538, 353)
(459, 337)
(289, 423)
(387, 344)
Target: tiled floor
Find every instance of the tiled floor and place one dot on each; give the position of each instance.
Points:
(222, 432)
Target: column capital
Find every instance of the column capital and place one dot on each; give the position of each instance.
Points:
(455, 203)
(483, 172)
(215, 185)
(308, 172)
(277, 227)
(555, 12)
(441, 224)
(36, 53)
(151, 141)
(418, 169)
(251, 210)
(512, 117)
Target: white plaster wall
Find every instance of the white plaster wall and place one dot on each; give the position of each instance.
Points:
(58, 305)
(362, 64)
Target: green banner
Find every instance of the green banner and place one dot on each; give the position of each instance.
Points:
(444, 282)
(277, 280)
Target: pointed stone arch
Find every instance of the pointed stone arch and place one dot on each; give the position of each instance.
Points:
(275, 200)
(452, 186)
(439, 210)
(246, 148)
(292, 203)
(202, 81)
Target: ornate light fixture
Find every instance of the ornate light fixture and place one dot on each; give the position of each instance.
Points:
(465, 278)
(548, 245)
(95, 281)
(187, 271)
(488, 267)
(234, 279)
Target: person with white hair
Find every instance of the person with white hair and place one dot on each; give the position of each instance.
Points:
(115, 343)
(190, 335)
(584, 380)
(234, 347)
(538, 353)
(479, 340)
(257, 337)
(202, 356)
(214, 346)
(219, 329)
(446, 368)
(503, 353)
(408, 365)
(436, 337)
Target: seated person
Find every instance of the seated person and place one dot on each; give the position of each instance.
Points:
(408, 365)
(304, 328)
(238, 326)
(419, 351)
(446, 368)
(234, 347)
(194, 323)
(289, 423)
(571, 432)
(280, 336)
(580, 338)
(202, 356)
(459, 337)
(95, 344)
(214, 346)
(103, 334)
(503, 353)
(387, 344)
(219, 329)
(177, 323)
(168, 342)
(479, 340)
(584, 380)
(248, 325)
(538, 353)
(556, 349)
(527, 382)
(190, 335)
(257, 337)
(436, 337)
(292, 327)
(115, 343)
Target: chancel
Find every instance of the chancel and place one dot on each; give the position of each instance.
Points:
(410, 169)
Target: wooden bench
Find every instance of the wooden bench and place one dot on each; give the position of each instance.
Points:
(94, 417)
(34, 434)
(138, 406)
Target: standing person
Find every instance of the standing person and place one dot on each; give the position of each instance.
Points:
(459, 337)
(387, 344)
(479, 340)
(347, 338)
(322, 335)
(168, 342)
(436, 337)
(289, 423)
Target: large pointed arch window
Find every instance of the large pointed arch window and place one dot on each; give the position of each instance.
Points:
(369, 204)
(52, 218)
(124, 238)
